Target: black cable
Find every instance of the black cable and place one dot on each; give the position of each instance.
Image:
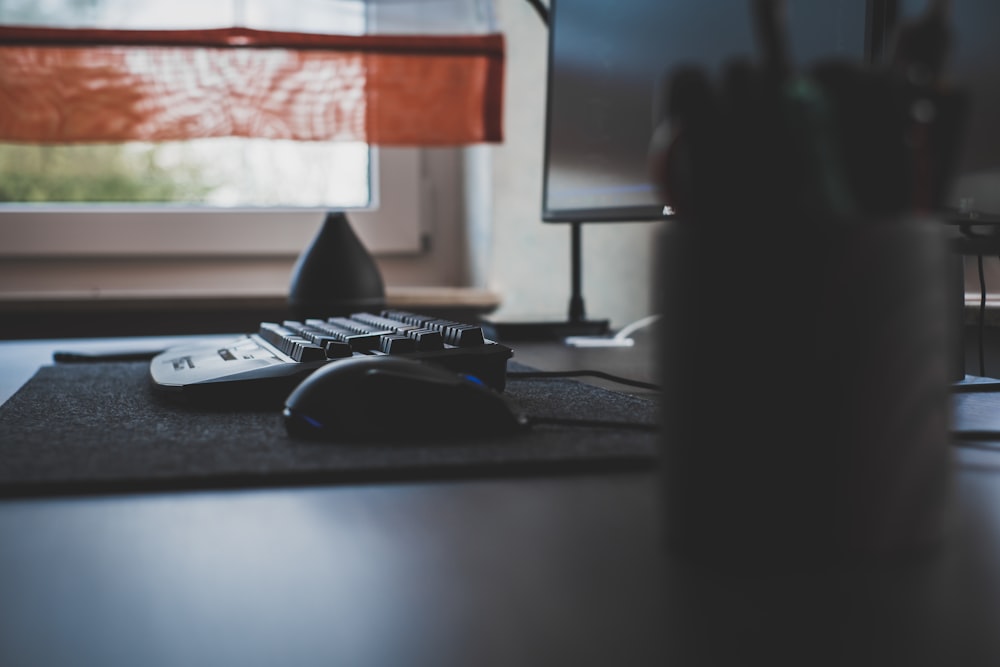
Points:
(593, 423)
(963, 439)
(970, 440)
(982, 315)
(532, 375)
(975, 387)
(542, 10)
(77, 356)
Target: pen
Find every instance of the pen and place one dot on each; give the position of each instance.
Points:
(66, 356)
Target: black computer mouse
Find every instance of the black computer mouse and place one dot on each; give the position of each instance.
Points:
(388, 398)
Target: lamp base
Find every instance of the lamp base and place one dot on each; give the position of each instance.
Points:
(335, 275)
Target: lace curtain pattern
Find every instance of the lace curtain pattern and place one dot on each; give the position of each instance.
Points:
(95, 84)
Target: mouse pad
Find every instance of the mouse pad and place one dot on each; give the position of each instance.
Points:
(79, 428)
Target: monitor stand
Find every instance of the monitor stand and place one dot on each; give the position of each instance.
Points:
(576, 323)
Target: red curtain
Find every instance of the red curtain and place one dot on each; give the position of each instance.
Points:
(87, 85)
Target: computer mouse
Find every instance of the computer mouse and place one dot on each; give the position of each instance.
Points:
(398, 399)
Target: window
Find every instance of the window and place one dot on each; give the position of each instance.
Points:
(95, 230)
(85, 246)
(92, 253)
(220, 172)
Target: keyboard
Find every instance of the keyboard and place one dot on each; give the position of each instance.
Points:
(259, 370)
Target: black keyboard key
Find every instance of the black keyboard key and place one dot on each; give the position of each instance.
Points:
(276, 334)
(328, 329)
(404, 317)
(362, 337)
(290, 344)
(333, 348)
(303, 330)
(426, 339)
(457, 334)
(358, 342)
(392, 332)
(397, 344)
(307, 351)
(454, 333)
(381, 322)
(466, 335)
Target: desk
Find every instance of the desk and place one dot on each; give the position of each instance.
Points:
(556, 570)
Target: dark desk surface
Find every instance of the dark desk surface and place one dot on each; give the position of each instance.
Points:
(562, 570)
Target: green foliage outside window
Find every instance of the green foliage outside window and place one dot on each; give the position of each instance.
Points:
(96, 173)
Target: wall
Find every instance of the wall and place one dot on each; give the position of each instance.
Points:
(528, 260)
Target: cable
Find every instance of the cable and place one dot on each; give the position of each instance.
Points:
(982, 315)
(976, 387)
(641, 323)
(533, 375)
(967, 440)
(594, 423)
(621, 339)
(543, 12)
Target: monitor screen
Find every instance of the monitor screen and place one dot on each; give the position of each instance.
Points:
(607, 64)
(974, 66)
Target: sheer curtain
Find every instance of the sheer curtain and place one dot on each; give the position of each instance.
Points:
(383, 72)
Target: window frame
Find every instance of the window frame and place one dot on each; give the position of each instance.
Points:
(392, 226)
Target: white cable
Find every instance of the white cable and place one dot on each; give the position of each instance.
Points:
(628, 329)
(621, 339)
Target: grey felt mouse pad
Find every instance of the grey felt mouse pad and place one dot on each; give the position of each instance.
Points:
(79, 428)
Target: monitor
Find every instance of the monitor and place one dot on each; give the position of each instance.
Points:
(974, 66)
(608, 62)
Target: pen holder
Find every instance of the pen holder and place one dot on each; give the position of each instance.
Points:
(806, 405)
